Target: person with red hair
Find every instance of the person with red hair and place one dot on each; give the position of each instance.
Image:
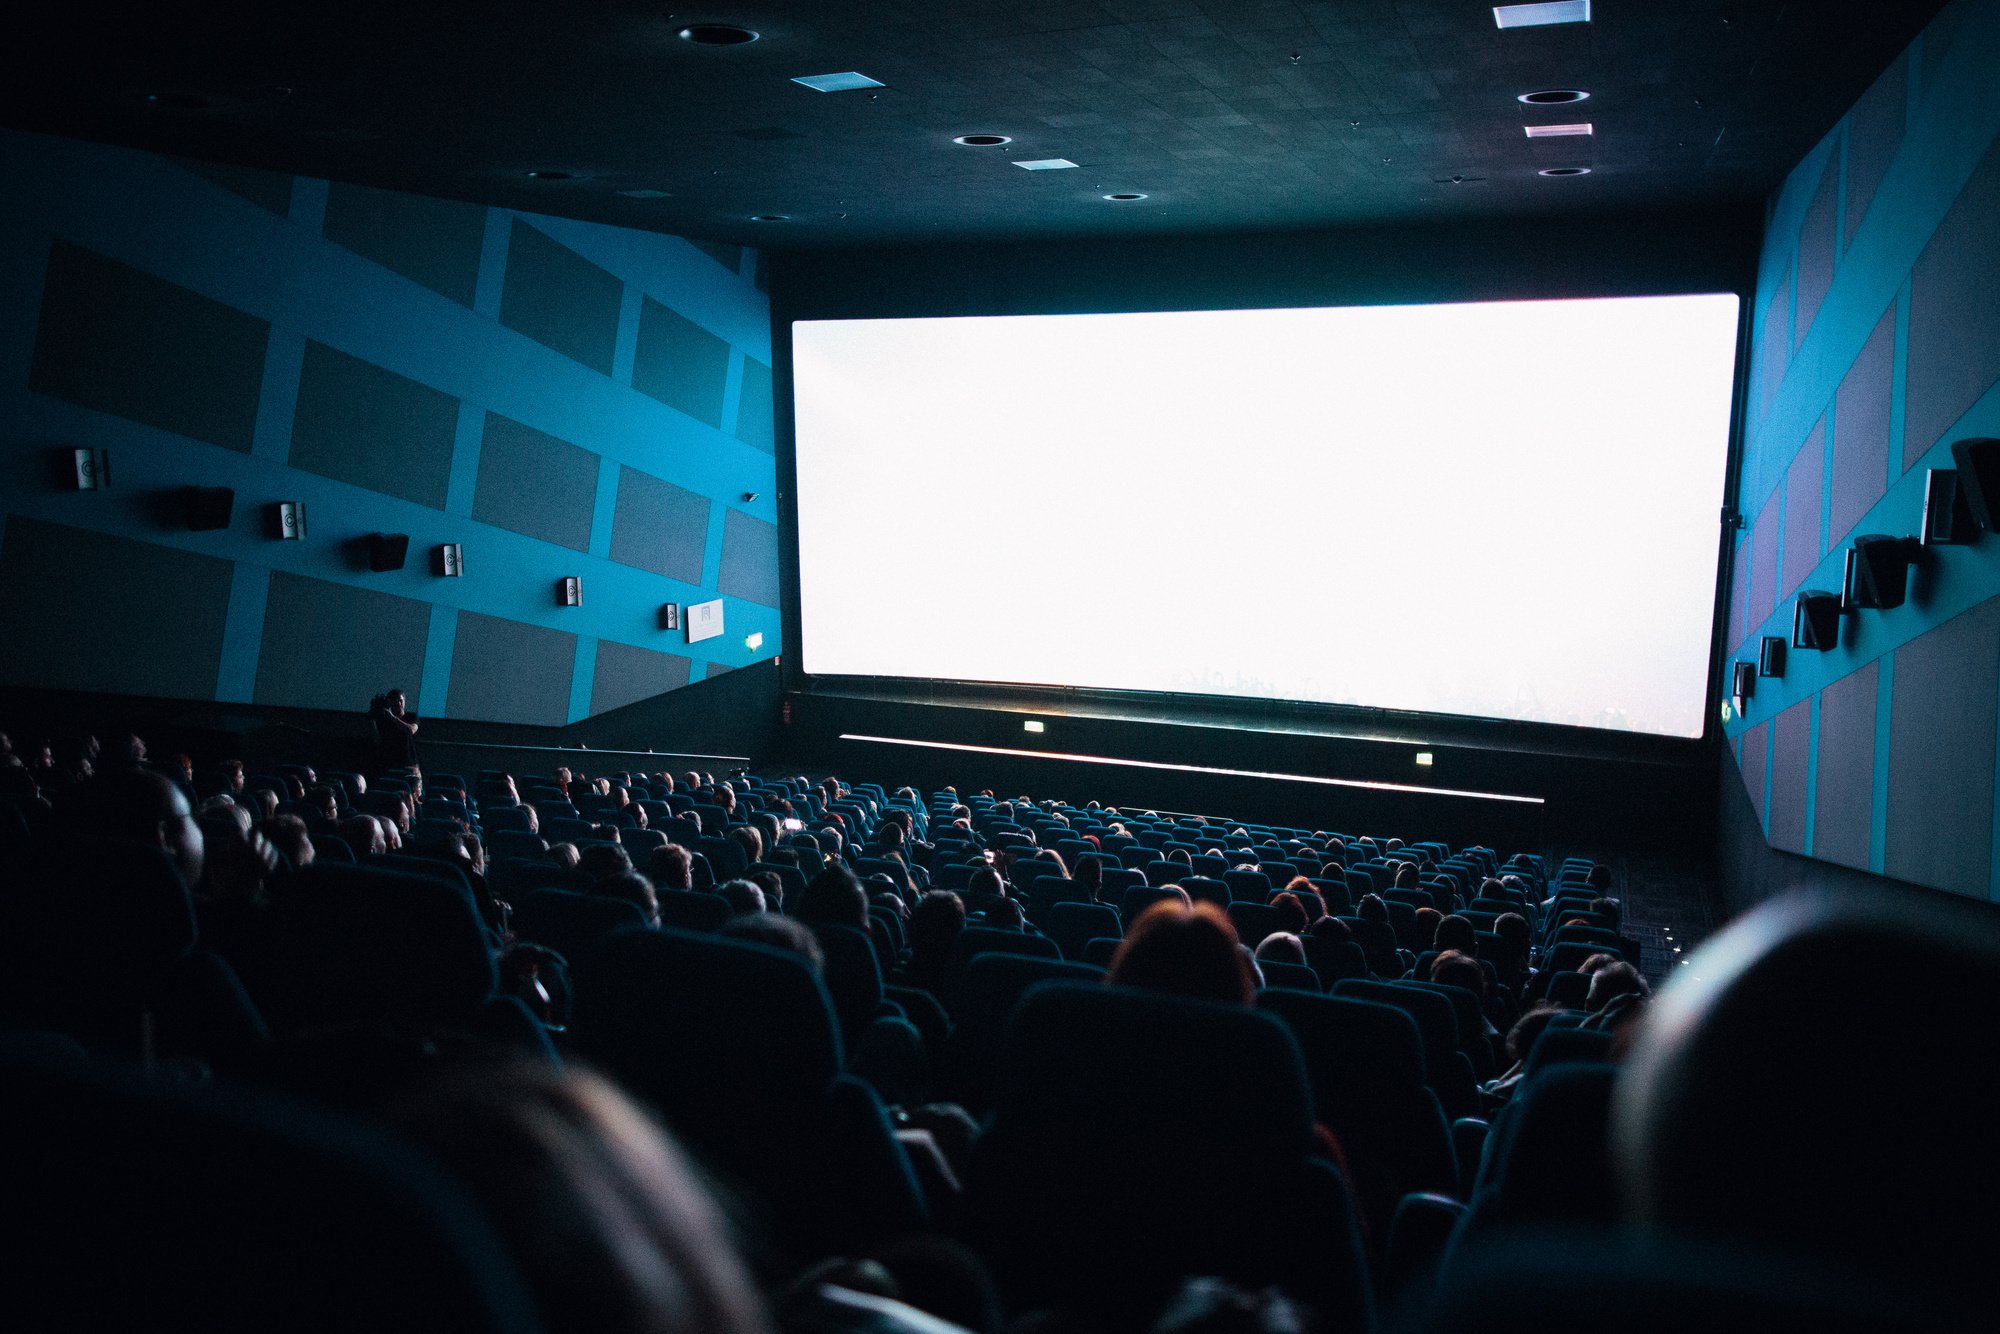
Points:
(1184, 950)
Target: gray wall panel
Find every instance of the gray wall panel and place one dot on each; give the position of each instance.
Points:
(626, 675)
(356, 422)
(534, 484)
(658, 526)
(89, 611)
(121, 341)
(435, 242)
(560, 299)
(507, 672)
(749, 559)
(334, 646)
(1942, 714)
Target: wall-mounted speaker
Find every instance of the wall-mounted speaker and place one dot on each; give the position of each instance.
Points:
(285, 520)
(387, 551)
(1947, 516)
(207, 508)
(1771, 656)
(569, 591)
(82, 469)
(1881, 566)
(1816, 622)
(1744, 682)
(1978, 461)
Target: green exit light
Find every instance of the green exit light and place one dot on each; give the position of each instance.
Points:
(1424, 758)
(1034, 725)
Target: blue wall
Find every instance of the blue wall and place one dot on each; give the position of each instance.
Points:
(1876, 343)
(561, 398)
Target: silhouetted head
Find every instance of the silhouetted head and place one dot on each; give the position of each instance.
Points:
(1186, 951)
(1817, 1080)
(140, 806)
(834, 898)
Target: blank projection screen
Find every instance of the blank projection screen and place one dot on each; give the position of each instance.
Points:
(1497, 510)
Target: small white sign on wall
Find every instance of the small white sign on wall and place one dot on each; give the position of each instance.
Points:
(704, 620)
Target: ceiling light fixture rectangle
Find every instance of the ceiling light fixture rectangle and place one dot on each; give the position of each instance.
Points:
(1557, 131)
(1045, 164)
(839, 83)
(1541, 16)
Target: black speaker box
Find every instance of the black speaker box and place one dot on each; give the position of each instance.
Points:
(1882, 569)
(207, 508)
(1744, 683)
(1771, 657)
(1978, 462)
(1947, 517)
(387, 551)
(1816, 622)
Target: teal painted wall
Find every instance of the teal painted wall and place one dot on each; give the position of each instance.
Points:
(1876, 344)
(561, 398)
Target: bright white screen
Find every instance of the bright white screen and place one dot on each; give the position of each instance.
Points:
(1503, 510)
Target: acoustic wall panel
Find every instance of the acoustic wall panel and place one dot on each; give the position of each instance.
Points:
(1791, 734)
(508, 672)
(680, 363)
(560, 299)
(626, 674)
(266, 189)
(749, 559)
(1861, 430)
(356, 422)
(1764, 560)
(658, 526)
(1942, 716)
(1752, 761)
(756, 415)
(435, 242)
(1873, 131)
(534, 484)
(334, 646)
(90, 611)
(1803, 482)
(1844, 790)
(1954, 352)
(117, 339)
(1817, 244)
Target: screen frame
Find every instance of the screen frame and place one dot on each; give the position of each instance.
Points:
(1306, 716)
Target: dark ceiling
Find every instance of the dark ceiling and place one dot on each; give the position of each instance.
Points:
(1228, 117)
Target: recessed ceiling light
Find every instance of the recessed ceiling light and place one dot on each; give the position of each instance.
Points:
(1541, 16)
(645, 194)
(1554, 97)
(1125, 197)
(1557, 131)
(982, 140)
(1564, 171)
(717, 34)
(1045, 164)
(770, 217)
(549, 174)
(839, 83)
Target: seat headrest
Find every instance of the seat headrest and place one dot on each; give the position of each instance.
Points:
(707, 1028)
(1356, 1042)
(95, 905)
(1091, 1060)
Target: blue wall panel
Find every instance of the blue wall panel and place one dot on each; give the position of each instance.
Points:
(348, 348)
(1891, 344)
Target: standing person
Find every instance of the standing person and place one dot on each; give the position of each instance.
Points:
(395, 731)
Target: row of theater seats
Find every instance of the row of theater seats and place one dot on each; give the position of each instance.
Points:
(1795, 1133)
